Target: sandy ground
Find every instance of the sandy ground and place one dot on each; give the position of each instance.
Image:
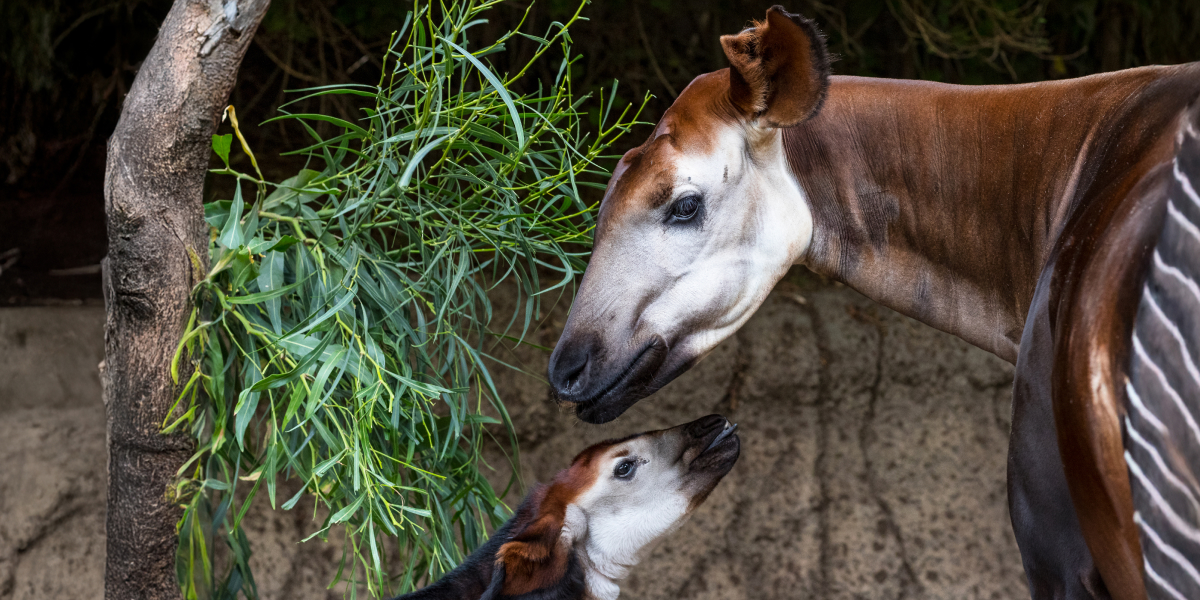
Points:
(872, 462)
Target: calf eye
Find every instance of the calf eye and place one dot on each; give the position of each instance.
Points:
(685, 208)
(625, 469)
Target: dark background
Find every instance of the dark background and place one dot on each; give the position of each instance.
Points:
(65, 66)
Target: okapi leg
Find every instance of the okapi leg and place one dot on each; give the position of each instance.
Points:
(1058, 564)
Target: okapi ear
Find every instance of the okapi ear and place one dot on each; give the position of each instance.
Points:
(779, 69)
(533, 559)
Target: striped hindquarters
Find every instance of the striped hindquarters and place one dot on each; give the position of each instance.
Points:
(1162, 441)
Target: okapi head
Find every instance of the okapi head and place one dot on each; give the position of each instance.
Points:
(580, 535)
(697, 225)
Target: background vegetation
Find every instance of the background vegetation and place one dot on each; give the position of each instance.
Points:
(65, 65)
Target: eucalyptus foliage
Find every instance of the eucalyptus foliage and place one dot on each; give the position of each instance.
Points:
(339, 336)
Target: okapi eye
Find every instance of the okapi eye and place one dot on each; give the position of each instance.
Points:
(625, 469)
(685, 208)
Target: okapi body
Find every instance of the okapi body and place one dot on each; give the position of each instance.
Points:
(1022, 218)
(1162, 435)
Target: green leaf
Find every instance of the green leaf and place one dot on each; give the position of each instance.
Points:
(231, 234)
(317, 394)
(420, 512)
(215, 213)
(292, 187)
(260, 297)
(333, 310)
(304, 345)
(293, 500)
(326, 464)
(359, 131)
(500, 89)
(280, 379)
(221, 145)
(270, 281)
(409, 135)
(415, 161)
(246, 405)
(283, 243)
(348, 511)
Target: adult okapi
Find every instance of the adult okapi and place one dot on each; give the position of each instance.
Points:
(1021, 218)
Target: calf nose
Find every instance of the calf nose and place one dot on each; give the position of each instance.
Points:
(704, 426)
(570, 366)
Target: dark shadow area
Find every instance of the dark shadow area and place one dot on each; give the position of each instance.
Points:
(66, 66)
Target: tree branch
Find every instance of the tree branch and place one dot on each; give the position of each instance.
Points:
(157, 159)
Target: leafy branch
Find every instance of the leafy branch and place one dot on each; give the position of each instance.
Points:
(338, 338)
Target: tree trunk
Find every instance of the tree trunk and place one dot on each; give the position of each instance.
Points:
(157, 159)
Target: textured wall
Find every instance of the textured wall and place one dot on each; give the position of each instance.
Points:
(872, 467)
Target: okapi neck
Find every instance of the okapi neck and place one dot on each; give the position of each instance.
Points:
(944, 202)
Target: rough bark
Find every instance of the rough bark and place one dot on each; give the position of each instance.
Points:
(157, 159)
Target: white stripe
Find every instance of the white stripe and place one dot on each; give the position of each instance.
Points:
(1177, 274)
(1183, 349)
(1162, 466)
(1143, 410)
(1177, 523)
(1162, 583)
(1184, 222)
(1165, 548)
(1186, 184)
(1162, 378)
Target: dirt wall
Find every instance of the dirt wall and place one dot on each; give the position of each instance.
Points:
(872, 467)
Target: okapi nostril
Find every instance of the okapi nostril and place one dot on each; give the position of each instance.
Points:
(705, 425)
(569, 366)
(565, 376)
(573, 378)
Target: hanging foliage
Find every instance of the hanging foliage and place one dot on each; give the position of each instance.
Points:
(338, 338)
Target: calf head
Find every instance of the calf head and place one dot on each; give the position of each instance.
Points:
(697, 224)
(599, 517)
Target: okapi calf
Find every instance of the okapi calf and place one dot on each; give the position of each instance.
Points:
(1022, 218)
(579, 536)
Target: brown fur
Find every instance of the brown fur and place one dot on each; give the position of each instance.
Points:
(780, 69)
(993, 182)
(957, 232)
(535, 558)
(949, 204)
(1097, 287)
(650, 165)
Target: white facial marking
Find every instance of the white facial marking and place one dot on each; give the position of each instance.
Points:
(624, 516)
(756, 224)
(686, 283)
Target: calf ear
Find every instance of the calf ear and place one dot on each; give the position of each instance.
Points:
(534, 559)
(779, 69)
